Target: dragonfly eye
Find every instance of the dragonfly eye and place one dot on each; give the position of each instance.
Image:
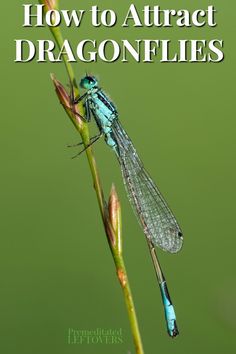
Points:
(88, 82)
(90, 79)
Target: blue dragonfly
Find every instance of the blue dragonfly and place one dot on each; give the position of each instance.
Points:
(155, 217)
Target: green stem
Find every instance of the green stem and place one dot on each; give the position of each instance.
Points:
(123, 278)
(59, 40)
(82, 128)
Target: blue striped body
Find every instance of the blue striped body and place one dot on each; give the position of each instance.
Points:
(104, 113)
(169, 311)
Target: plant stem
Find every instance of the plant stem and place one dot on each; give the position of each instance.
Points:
(122, 275)
(82, 128)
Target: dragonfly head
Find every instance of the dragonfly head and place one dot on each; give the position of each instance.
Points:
(88, 82)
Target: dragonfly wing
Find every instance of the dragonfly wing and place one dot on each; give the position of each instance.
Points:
(153, 213)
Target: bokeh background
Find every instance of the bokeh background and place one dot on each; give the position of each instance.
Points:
(57, 270)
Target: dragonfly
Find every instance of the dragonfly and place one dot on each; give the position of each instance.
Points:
(154, 215)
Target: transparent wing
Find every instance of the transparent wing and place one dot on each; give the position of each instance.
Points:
(154, 215)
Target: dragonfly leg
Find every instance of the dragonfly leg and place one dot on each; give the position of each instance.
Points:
(87, 146)
(74, 101)
(81, 143)
(85, 119)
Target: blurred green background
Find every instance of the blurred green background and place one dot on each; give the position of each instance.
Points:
(57, 270)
